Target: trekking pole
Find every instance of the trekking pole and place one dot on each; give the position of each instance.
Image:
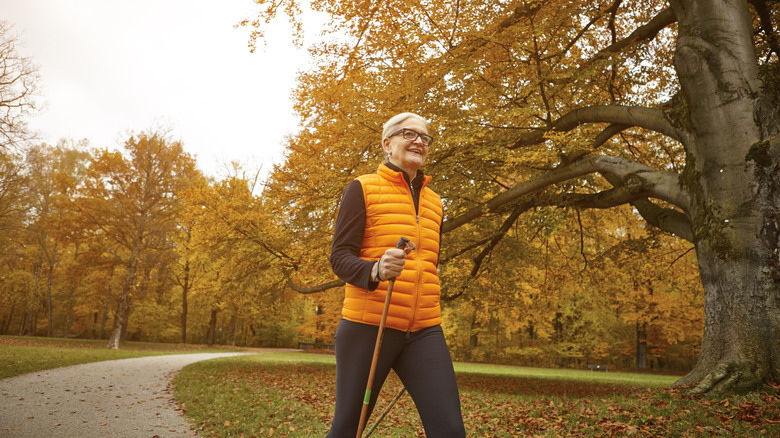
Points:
(403, 242)
(386, 411)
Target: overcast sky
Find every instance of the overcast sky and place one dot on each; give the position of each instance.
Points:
(110, 67)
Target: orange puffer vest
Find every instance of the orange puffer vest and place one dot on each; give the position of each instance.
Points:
(390, 215)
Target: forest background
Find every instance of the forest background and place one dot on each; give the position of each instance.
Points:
(138, 244)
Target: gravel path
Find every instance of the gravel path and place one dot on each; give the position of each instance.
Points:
(119, 398)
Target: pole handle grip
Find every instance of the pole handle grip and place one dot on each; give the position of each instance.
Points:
(404, 243)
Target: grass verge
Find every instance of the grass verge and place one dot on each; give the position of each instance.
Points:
(21, 354)
(292, 395)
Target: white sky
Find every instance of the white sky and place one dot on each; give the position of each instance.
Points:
(111, 67)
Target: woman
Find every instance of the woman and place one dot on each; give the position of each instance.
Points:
(376, 210)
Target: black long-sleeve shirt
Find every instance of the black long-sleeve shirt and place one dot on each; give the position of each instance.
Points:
(348, 235)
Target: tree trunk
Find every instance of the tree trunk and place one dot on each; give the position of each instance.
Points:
(48, 289)
(68, 315)
(123, 302)
(641, 345)
(104, 317)
(731, 175)
(119, 316)
(23, 324)
(103, 320)
(7, 324)
(232, 335)
(184, 290)
(741, 277)
(125, 321)
(212, 328)
(473, 334)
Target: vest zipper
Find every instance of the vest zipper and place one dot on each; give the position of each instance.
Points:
(416, 206)
(419, 261)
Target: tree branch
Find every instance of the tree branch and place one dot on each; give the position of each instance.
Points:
(510, 220)
(607, 133)
(765, 17)
(607, 199)
(627, 116)
(645, 32)
(314, 289)
(636, 178)
(666, 219)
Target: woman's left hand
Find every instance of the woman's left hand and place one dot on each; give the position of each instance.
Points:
(392, 263)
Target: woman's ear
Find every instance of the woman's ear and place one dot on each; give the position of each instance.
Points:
(386, 146)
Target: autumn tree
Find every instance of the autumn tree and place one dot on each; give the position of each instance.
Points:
(16, 279)
(50, 171)
(18, 88)
(130, 202)
(189, 269)
(671, 107)
(237, 236)
(18, 83)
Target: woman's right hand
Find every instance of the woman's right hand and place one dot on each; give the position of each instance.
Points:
(392, 263)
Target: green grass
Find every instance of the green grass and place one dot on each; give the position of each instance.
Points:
(22, 360)
(631, 379)
(21, 354)
(292, 395)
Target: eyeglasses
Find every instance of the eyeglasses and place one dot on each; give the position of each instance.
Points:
(412, 135)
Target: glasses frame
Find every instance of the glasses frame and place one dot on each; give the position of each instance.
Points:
(426, 139)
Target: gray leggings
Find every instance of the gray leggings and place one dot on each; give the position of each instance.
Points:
(423, 364)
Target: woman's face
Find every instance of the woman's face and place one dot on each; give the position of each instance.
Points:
(406, 154)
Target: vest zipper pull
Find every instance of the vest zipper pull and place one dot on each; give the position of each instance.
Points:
(408, 332)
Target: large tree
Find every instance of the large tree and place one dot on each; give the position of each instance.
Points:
(130, 203)
(671, 107)
(50, 171)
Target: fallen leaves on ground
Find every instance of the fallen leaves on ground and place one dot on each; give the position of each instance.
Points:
(297, 400)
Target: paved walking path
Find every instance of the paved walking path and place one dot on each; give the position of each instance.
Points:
(118, 398)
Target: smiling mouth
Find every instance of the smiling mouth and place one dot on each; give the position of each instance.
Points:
(416, 151)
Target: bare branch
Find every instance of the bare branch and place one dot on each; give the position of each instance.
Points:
(18, 88)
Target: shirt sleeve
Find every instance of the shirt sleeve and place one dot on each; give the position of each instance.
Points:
(347, 239)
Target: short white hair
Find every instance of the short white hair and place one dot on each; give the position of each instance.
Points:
(391, 125)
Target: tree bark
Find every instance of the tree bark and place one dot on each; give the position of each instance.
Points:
(7, 322)
(185, 287)
(23, 324)
(641, 345)
(123, 302)
(732, 175)
(52, 262)
(740, 270)
(232, 335)
(212, 334)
